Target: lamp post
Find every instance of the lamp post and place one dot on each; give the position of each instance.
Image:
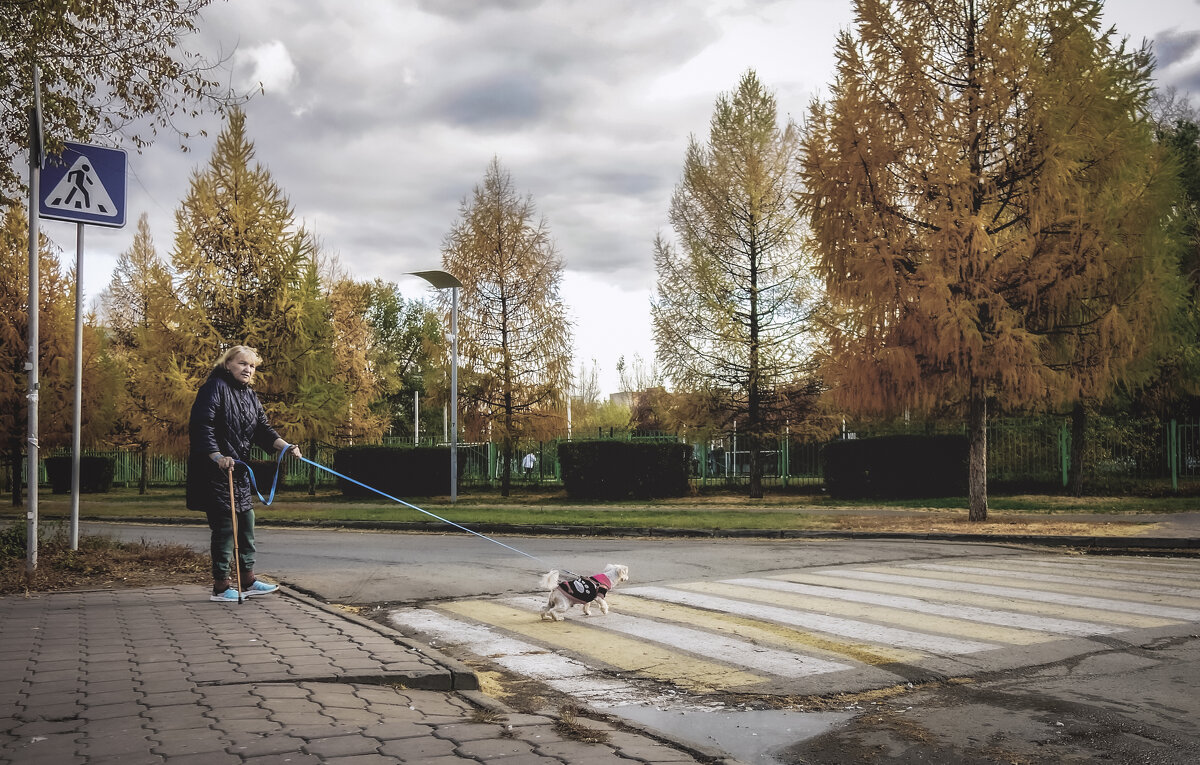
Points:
(442, 280)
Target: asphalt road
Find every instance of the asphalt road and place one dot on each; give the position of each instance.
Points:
(392, 568)
(1126, 690)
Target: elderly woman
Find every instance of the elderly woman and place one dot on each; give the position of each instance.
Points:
(227, 419)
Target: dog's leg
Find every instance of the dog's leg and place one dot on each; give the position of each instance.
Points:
(603, 605)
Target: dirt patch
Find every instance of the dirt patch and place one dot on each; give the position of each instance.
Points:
(98, 563)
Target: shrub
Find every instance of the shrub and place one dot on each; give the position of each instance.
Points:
(897, 467)
(422, 471)
(624, 470)
(264, 474)
(95, 474)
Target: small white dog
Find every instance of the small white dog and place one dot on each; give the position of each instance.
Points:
(583, 590)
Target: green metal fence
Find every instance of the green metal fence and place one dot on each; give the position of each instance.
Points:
(1032, 452)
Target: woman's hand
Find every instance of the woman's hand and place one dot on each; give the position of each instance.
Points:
(226, 463)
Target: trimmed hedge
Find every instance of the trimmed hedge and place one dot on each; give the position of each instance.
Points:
(95, 474)
(896, 467)
(264, 473)
(624, 470)
(422, 471)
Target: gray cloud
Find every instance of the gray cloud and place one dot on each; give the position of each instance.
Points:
(497, 103)
(467, 10)
(391, 109)
(1173, 46)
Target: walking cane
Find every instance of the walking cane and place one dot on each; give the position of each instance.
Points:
(237, 563)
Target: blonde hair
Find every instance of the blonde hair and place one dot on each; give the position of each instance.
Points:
(234, 351)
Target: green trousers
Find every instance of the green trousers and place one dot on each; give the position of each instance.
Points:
(221, 525)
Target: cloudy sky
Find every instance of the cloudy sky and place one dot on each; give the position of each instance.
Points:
(378, 117)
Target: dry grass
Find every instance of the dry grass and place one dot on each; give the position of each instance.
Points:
(934, 522)
(98, 563)
(569, 727)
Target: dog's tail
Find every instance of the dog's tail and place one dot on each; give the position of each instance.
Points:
(549, 581)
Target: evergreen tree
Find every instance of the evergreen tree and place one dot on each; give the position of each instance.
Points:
(349, 302)
(735, 296)
(245, 273)
(56, 341)
(964, 183)
(1175, 389)
(139, 293)
(515, 340)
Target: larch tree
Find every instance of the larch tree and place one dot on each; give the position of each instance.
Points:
(109, 68)
(139, 294)
(1175, 391)
(245, 273)
(56, 340)
(349, 302)
(1109, 338)
(735, 295)
(514, 336)
(963, 182)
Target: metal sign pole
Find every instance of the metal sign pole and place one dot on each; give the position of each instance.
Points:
(454, 397)
(78, 414)
(36, 155)
(85, 185)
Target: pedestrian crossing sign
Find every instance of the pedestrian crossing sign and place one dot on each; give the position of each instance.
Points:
(84, 184)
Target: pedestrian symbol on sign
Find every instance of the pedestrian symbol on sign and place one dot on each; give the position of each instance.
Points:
(81, 190)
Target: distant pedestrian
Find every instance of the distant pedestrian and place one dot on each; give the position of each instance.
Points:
(227, 419)
(528, 464)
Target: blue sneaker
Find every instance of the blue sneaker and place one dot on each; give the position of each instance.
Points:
(258, 588)
(229, 596)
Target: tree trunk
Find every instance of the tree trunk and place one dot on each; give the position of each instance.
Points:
(506, 469)
(977, 454)
(1075, 470)
(753, 394)
(754, 436)
(144, 478)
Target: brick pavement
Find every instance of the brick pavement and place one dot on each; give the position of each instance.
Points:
(162, 675)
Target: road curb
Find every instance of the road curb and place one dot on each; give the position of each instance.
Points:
(1146, 545)
(456, 677)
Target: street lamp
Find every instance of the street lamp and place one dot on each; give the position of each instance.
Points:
(442, 280)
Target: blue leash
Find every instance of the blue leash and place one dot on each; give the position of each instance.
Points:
(275, 482)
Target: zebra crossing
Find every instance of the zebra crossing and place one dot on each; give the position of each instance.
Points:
(821, 630)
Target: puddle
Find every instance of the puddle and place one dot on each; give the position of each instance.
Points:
(750, 736)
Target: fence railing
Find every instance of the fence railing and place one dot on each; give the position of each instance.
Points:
(1033, 453)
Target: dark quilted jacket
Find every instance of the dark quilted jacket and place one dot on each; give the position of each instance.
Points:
(227, 418)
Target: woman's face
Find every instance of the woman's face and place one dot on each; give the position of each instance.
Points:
(242, 367)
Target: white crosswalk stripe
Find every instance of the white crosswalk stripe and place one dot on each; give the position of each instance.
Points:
(792, 629)
(710, 645)
(1104, 604)
(848, 628)
(526, 659)
(919, 606)
(1082, 580)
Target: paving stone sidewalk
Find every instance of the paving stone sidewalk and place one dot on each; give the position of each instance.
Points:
(162, 675)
